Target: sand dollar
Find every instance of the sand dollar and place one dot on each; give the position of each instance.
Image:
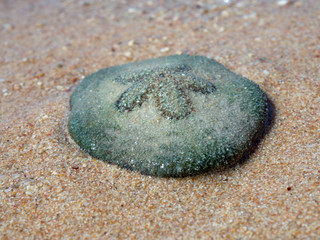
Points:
(171, 116)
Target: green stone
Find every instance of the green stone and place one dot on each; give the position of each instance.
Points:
(171, 116)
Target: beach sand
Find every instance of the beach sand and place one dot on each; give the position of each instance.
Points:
(50, 189)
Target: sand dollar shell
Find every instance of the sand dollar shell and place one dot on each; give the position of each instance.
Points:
(171, 116)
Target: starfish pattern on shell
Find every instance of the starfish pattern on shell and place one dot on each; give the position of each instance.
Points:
(169, 87)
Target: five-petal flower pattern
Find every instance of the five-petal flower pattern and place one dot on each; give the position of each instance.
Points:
(169, 87)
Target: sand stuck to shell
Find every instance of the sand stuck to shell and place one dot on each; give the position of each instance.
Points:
(171, 116)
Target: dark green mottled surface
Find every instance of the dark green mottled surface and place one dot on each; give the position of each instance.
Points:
(171, 116)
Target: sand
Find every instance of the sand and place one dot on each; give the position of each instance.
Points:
(50, 189)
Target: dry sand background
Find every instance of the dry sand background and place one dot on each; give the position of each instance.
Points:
(50, 189)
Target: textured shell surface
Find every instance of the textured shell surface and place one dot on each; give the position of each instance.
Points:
(172, 116)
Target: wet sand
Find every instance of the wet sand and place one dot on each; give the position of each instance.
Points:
(51, 189)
